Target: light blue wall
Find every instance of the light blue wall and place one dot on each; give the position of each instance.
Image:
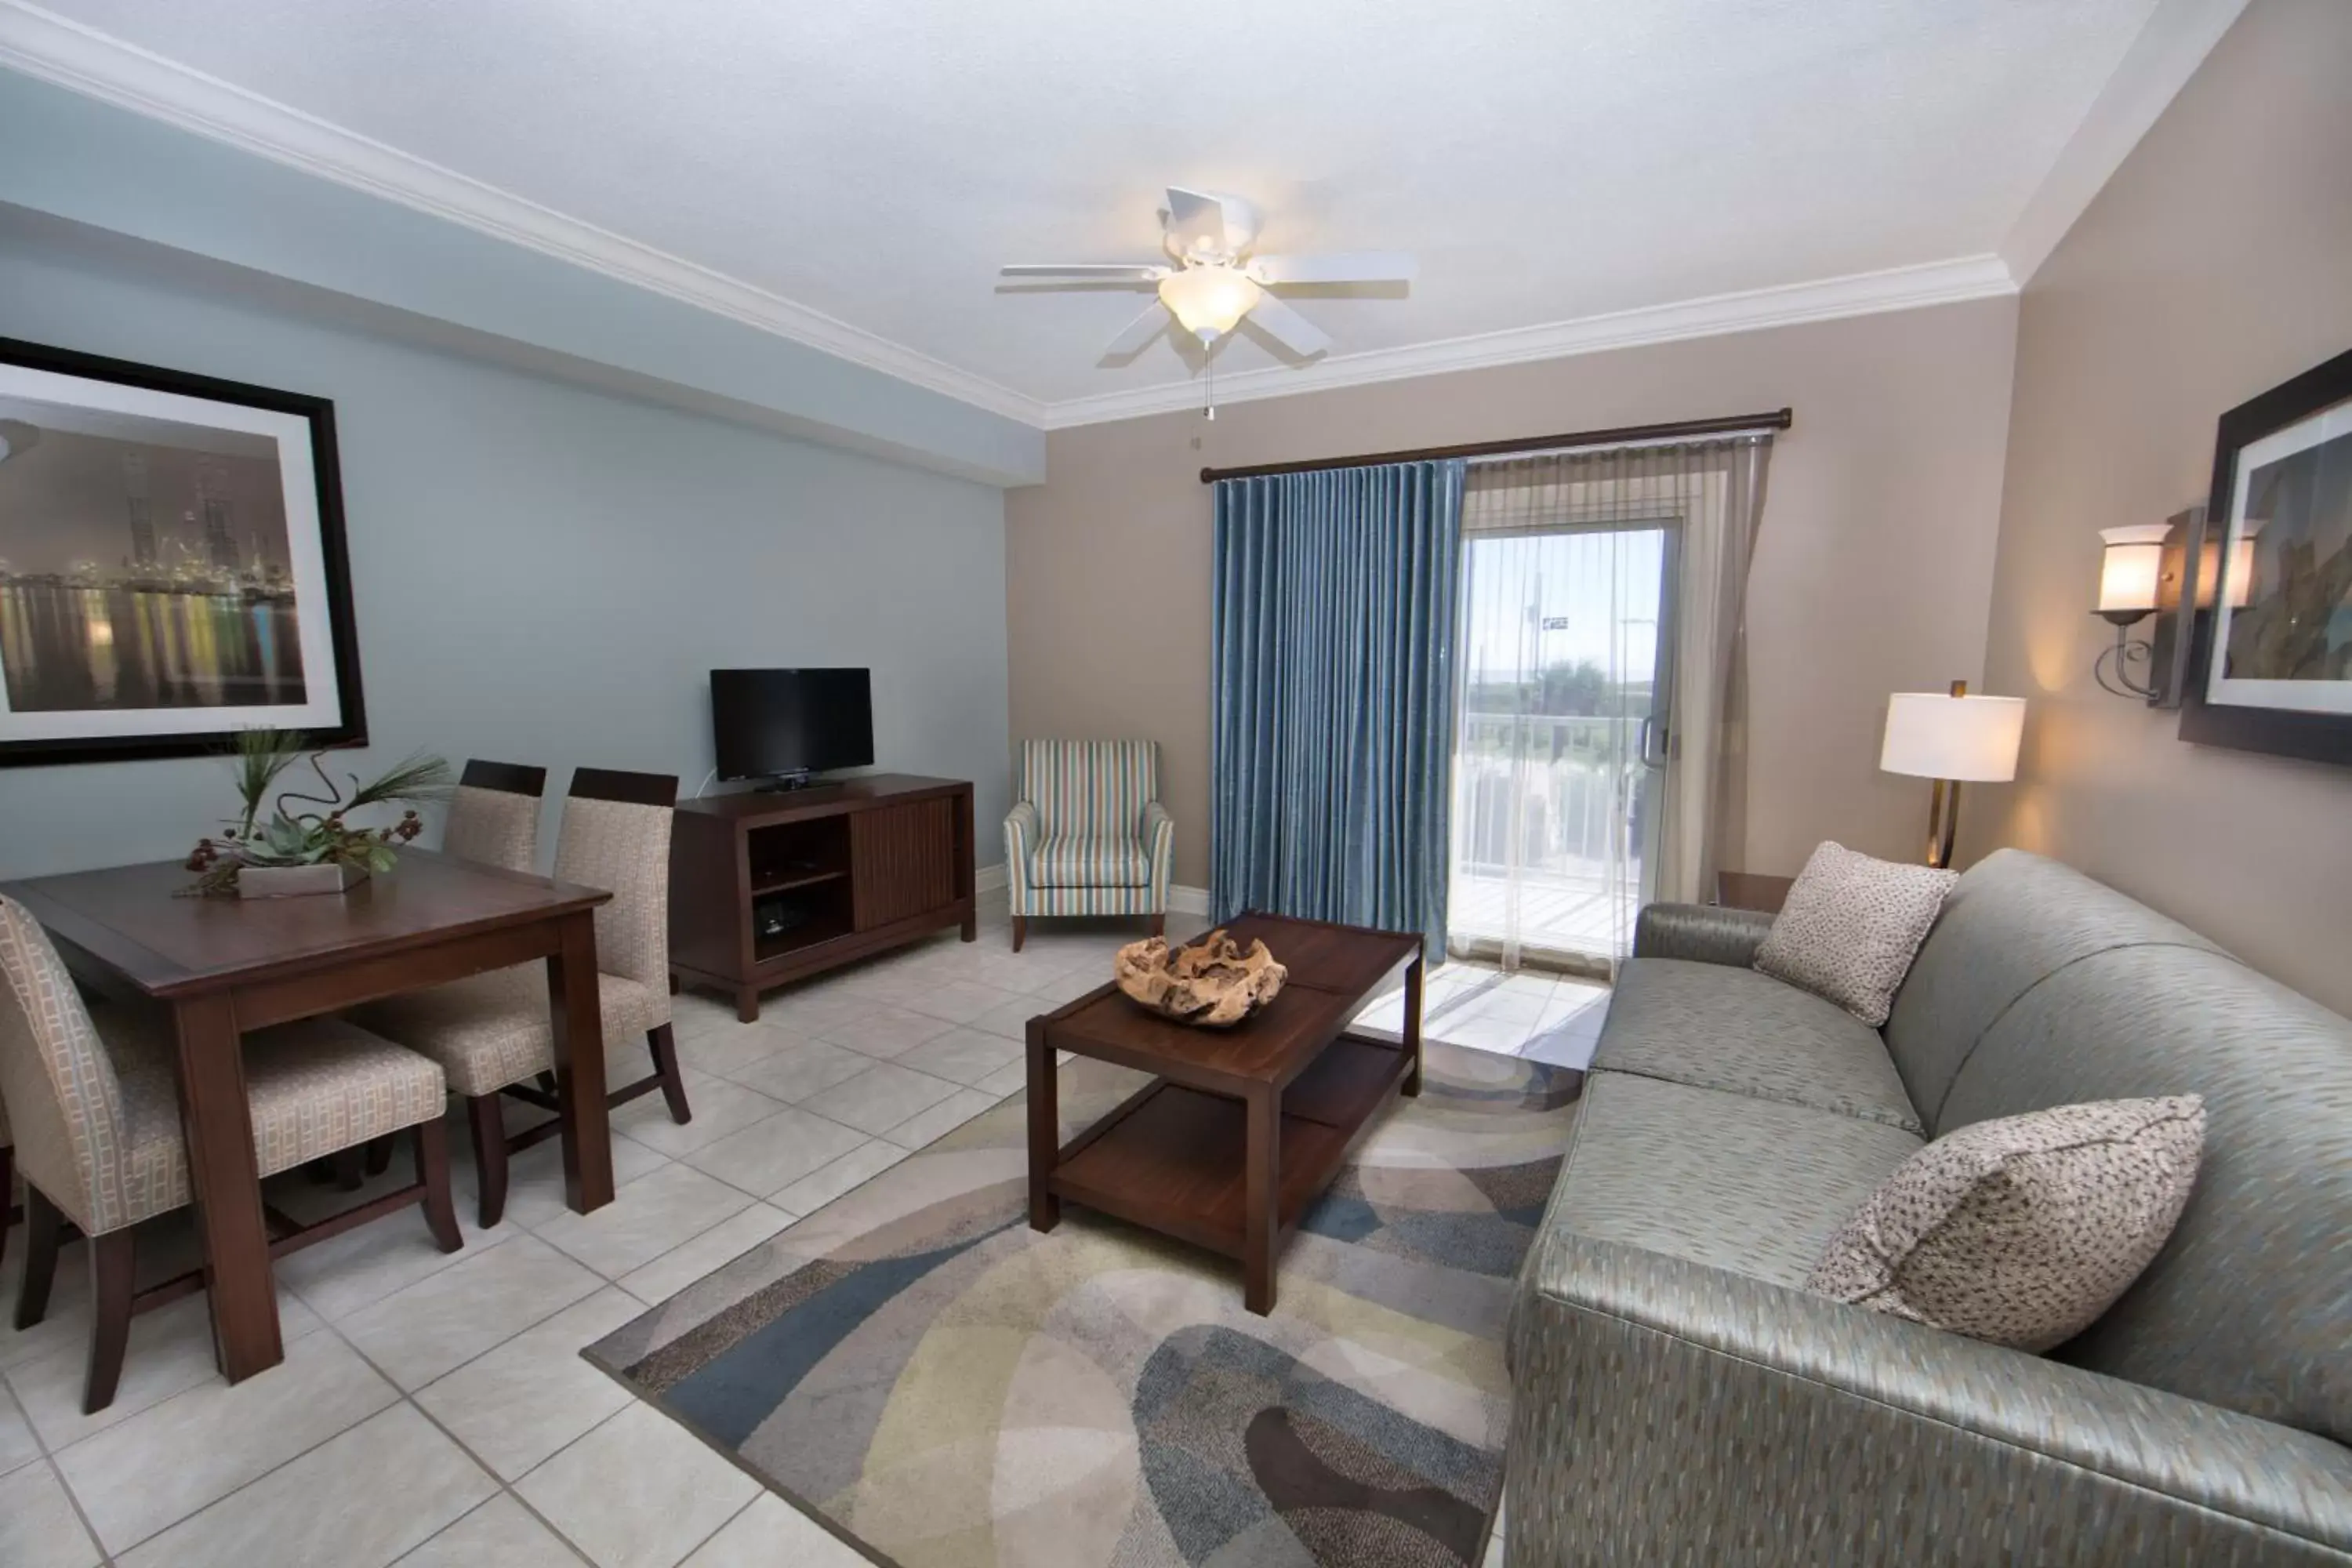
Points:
(544, 572)
(93, 164)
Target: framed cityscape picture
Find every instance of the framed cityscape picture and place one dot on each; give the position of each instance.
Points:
(2271, 669)
(172, 563)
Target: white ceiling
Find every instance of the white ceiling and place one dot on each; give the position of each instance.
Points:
(1546, 160)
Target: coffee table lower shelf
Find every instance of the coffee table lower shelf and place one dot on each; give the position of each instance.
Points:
(1176, 1160)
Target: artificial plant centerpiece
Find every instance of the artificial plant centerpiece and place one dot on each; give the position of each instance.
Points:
(317, 849)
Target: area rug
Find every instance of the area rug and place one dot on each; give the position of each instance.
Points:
(944, 1387)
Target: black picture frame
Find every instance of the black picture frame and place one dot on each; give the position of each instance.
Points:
(349, 724)
(2279, 731)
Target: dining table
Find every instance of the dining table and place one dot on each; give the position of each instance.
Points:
(222, 966)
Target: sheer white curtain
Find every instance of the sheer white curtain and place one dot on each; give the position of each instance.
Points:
(1601, 754)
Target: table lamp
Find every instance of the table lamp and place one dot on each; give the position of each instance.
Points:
(1951, 739)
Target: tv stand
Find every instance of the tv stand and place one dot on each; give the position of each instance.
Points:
(776, 884)
(782, 784)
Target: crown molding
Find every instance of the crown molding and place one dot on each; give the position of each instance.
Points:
(53, 48)
(2174, 40)
(1861, 294)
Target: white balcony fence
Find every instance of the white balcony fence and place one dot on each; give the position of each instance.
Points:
(1555, 805)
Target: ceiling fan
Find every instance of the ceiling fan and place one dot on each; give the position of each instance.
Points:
(1216, 281)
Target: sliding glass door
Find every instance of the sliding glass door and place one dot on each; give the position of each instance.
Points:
(1565, 730)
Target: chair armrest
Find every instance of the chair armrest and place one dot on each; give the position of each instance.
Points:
(1021, 829)
(1159, 831)
(1668, 1411)
(1705, 933)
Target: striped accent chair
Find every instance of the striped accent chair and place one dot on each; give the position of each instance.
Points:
(1086, 835)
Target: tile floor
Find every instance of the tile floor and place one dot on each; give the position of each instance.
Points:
(461, 1376)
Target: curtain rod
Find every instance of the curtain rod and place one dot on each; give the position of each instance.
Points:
(1781, 420)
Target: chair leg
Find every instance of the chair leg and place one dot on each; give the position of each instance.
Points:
(1020, 931)
(379, 1156)
(1159, 924)
(111, 1270)
(433, 1172)
(489, 1155)
(663, 1043)
(44, 1229)
(8, 1196)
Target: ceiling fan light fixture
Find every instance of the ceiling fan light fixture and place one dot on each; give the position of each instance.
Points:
(1208, 300)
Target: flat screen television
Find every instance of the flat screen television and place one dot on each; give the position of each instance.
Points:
(788, 723)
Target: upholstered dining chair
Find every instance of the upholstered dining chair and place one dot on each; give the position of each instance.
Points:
(96, 1115)
(493, 821)
(491, 1033)
(1088, 836)
(494, 815)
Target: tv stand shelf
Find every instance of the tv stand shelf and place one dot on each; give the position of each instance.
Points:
(803, 880)
(832, 873)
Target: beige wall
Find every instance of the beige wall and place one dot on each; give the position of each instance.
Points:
(1871, 571)
(2217, 263)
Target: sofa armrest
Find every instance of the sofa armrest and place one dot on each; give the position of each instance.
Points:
(1664, 1411)
(1022, 828)
(1705, 933)
(1159, 842)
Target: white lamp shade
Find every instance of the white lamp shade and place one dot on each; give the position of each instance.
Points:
(1209, 300)
(1932, 736)
(2131, 567)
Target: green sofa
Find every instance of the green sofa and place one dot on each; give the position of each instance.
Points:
(1679, 1397)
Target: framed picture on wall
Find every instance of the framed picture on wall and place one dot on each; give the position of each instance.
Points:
(172, 563)
(2271, 669)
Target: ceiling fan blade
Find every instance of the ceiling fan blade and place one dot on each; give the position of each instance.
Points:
(1358, 266)
(1196, 221)
(1288, 327)
(1099, 272)
(1138, 333)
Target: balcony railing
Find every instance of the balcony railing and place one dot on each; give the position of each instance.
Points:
(1565, 798)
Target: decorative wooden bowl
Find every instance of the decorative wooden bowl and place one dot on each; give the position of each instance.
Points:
(1210, 984)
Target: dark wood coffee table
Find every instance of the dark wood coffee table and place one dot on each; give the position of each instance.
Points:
(1240, 1129)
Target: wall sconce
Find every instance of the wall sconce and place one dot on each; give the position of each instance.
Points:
(2167, 571)
(2131, 575)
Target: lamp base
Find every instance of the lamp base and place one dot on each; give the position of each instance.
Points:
(1943, 821)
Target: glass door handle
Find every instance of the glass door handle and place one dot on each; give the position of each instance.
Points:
(1651, 756)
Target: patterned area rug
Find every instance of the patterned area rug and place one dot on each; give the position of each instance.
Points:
(945, 1388)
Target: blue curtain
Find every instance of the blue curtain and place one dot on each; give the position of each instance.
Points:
(1333, 668)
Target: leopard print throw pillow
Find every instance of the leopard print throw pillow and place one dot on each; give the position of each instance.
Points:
(1851, 927)
(2023, 1230)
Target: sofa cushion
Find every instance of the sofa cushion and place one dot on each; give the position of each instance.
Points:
(2011, 921)
(1065, 860)
(1851, 927)
(2247, 1305)
(1752, 1186)
(2023, 1229)
(1715, 1026)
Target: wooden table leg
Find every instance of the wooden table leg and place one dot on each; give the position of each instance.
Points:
(1261, 1199)
(1412, 1028)
(223, 1168)
(571, 1001)
(1045, 1130)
